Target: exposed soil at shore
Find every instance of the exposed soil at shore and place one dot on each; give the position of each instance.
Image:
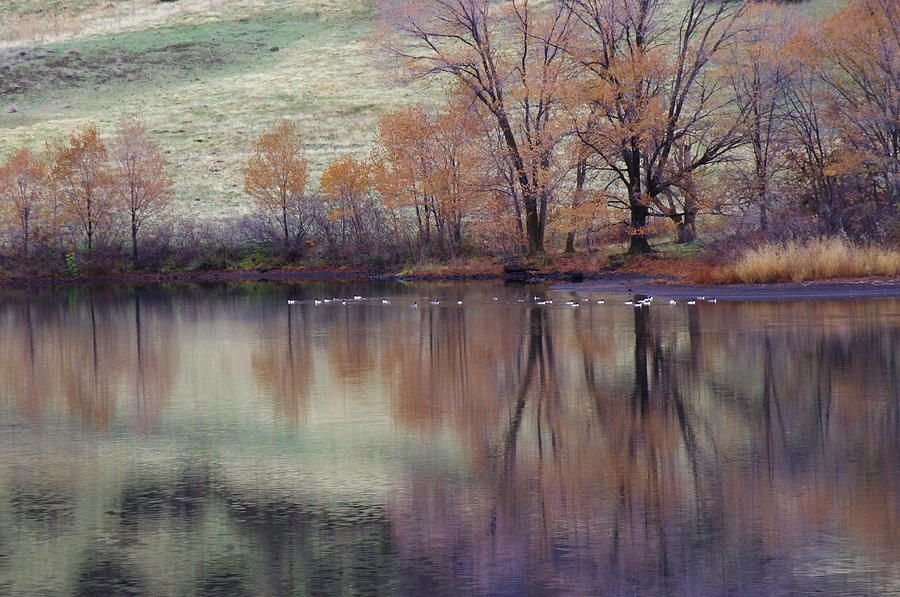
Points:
(637, 284)
(642, 281)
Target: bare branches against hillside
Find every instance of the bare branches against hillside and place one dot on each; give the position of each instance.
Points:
(509, 54)
(657, 111)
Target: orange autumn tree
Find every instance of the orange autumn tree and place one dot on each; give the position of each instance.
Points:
(431, 166)
(860, 64)
(843, 120)
(141, 185)
(23, 178)
(347, 187)
(275, 176)
(458, 180)
(403, 154)
(81, 175)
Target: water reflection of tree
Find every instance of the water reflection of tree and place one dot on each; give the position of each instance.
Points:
(697, 462)
(284, 367)
(87, 352)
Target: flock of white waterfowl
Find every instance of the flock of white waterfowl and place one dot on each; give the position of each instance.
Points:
(537, 300)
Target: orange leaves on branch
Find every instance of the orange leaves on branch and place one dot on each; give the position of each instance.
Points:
(81, 173)
(276, 176)
(141, 185)
(431, 164)
(346, 179)
(347, 185)
(23, 180)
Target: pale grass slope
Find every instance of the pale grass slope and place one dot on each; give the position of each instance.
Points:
(322, 76)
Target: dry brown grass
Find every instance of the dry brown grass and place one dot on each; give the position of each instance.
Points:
(819, 259)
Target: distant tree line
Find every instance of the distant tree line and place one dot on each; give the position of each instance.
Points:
(563, 121)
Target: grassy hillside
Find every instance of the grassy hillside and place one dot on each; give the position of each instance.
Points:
(205, 74)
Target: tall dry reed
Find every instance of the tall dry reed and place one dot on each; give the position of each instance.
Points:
(817, 259)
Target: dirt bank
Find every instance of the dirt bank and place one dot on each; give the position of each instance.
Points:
(672, 288)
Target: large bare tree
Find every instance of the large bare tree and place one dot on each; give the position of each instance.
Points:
(509, 54)
(656, 112)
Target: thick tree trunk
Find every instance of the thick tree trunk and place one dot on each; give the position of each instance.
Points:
(639, 243)
(639, 208)
(640, 212)
(685, 228)
(533, 228)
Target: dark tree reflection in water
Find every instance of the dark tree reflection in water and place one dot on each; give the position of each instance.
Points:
(213, 439)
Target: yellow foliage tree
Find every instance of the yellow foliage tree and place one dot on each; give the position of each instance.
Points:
(347, 185)
(654, 107)
(433, 165)
(509, 56)
(23, 179)
(276, 175)
(81, 174)
(142, 185)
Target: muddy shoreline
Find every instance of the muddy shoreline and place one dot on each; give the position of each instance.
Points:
(637, 284)
(594, 282)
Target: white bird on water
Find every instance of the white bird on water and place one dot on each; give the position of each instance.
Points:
(692, 302)
(385, 302)
(317, 302)
(435, 302)
(672, 302)
(458, 302)
(291, 301)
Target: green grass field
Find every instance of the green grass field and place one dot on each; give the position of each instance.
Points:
(204, 76)
(206, 80)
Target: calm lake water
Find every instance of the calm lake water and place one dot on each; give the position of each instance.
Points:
(214, 439)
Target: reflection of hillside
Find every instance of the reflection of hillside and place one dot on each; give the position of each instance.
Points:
(185, 530)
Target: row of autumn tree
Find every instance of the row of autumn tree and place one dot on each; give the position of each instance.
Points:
(83, 192)
(563, 118)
